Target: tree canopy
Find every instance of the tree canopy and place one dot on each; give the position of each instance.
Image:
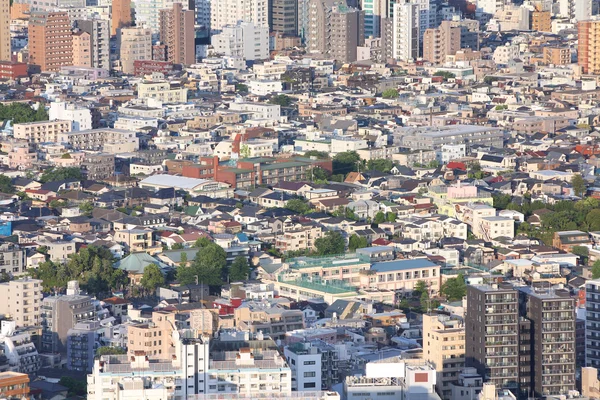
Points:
(390, 94)
(6, 185)
(92, 266)
(455, 288)
(331, 243)
(61, 173)
(208, 266)
(382, 165)
(579, 185)
(281, 100)
(357, 242)
(317, 154)
(299, 206)
(109, 351)
(20, 113)
(152, 278)
(240, 270)
(345, 162)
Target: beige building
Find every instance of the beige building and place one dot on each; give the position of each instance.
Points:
(153, 338)
(557, 55)
(177, 32)
(5, 54)
(82, 56)
(272, 320)
(134, 239)
(22, 301)
(121, 15)
(541, 21)
(136, 44)
(166, 92)
(95, 139)
(41, 132)
(298, 238)
(588, 56)
(50, 40)
(444, 348)
(347, 27)
(441, 42)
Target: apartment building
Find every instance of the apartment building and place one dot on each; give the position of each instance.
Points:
(283, 16)
(82, 44)
(42, 131)
(493, 227)
(347, 30)
(82, 342)
(120, 16)
(592, 323)
(22, 300)
(243, 39)
(166, 92)
(107, 139)
(14, 385)
(405, 31)
(441, 42)
(154, 337)
(81, 117)
(99, 41)
(541, 21)
(12, 259)
(19, 349)
(5, 36)
(134, 240)
(59, 315)
(444, 348)
(177, 32)
(314, 365)
(492, 333)
(557, 55)
(136, 44)
(298, 238)
(430, 137)
(98, 166)
(268, 318)
(50, 40)
(230, 12)
(588, 57)
(552, 314)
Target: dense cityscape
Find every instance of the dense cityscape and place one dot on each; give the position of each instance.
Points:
(299, 199)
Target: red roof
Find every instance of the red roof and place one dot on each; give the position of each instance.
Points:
(456, 165)
(380, 242)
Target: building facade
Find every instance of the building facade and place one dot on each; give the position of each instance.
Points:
(50, 40)
(177, 32)
(22, 298)
(136, 44)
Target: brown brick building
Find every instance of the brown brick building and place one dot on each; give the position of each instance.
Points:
(50, 40)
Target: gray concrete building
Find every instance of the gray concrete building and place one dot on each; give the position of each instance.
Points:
(99, 38)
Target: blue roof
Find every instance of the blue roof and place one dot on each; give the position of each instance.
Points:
(242, 237)
(398, 265)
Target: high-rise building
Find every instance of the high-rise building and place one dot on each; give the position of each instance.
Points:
(588, 56)
(405, 31)
(592, 323)
(522, 338)
(136, 44)
(5, 30)
(177, 33)
(121, 15)
(147, 13)
(347, 27)
(99, 41)
(283, 16)
(492, 333)
(578, 10)
(50, 40)
(441, 42)
(230, 12)
(552, 362)
(82, 49)
(444, 348)
(541, 21)
(243, 40)
(375, 10)
(335, 30)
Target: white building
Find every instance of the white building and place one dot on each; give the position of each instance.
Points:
(136, 44)
(490, 6)
(80, 116)
(243, 39)
(166, 92)
(264, 87)
(135, 124)
(147, 13)
(406, 31)
(230, 12)
(260, 110)
(575, 10)
(506, 53)
(449, 152)
(314, 365)
(19, 349)
(592, 328)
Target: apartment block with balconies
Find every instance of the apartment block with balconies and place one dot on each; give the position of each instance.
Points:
(22, 301)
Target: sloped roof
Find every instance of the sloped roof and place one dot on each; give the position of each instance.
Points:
(137, 262)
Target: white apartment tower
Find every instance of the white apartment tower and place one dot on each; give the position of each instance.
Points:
(406, 31)
(230, 12)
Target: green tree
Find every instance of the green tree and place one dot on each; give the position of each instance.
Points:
(379, 218)
(596, 270)
(241, 88)
(593, 220)
(152, 278)
(298, 205)
(61, 173)
(240, 270)
(345, 162)
(177, 246)
(579, 185)
(86, 208)
(281, 100)
(57, 203)
(357, 242)
(445, 74)
(19, 113)
(420, 287)
(110, 351)
(455, 288)
(332, 243)
(391, 217)
(6, 185)
(319, 174)
(390, 94)
(381, 165)
(76, 387)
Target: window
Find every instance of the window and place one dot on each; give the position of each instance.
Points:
(309, 385)
(308, 362)
(310, 374)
